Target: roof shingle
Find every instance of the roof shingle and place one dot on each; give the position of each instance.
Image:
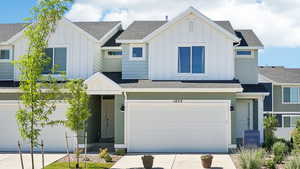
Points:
(248, 38)
(280, 74)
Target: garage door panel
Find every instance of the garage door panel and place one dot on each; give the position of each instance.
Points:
(53, 137)
(177, 127)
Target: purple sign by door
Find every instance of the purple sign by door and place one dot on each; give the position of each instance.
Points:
(251, 138)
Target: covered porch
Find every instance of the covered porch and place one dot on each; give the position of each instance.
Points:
(106, 103)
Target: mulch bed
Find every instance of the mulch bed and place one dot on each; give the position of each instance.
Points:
(90, 158)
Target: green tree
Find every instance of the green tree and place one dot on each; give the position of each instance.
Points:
(270, 124)
(78, 111)
(37, 96)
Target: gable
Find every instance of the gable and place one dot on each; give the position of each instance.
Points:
(194, 12)
(100, 84)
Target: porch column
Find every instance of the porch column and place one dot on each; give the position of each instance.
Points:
(260, 113)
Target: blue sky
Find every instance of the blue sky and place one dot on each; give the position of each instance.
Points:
(284, 54)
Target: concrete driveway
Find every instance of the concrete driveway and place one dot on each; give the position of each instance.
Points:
(12, 161)
(175, 161)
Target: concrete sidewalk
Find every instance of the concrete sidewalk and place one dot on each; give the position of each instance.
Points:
(175, 161)
(12, 161)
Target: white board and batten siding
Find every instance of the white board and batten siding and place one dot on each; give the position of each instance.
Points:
(163, 51)
(82, 50)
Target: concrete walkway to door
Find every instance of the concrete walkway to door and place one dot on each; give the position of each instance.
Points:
(175, 161)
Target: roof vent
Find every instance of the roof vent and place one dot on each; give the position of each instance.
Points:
(167, 17)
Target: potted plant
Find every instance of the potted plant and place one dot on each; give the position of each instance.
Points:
(206, 160)
(147, 161)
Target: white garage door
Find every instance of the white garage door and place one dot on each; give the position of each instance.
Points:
(54, 137)
(190, 126)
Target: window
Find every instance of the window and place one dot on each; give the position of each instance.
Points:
(4, 54)
(57, 60)
(137, 52)
(243, 52)
(290, 120)
(114, 53)
(291, 95)
(191, 59)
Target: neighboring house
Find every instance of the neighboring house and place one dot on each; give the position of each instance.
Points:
(185, 85)
(284, 100)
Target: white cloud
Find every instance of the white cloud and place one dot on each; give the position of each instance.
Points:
(277, 23)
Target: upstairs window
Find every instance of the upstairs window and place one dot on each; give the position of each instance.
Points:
(291, 95)
(4, 54)
(243, 52)
(57, 60)
(137, 52)
(114, 53)
(290, 120)
(191, 59)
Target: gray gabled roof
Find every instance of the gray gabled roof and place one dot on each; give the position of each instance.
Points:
(248, 38)
(138, 30)
(95, 29)
(9, 30)
(135, 83)
(280, 74)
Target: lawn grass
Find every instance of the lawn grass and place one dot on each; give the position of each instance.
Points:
(90, 165)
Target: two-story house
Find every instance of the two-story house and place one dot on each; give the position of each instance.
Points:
(283, 84)
(185, 85)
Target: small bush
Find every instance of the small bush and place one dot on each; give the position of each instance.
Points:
(270, 164)
(120, 152)
(279, 149)
(107, 158)
(289, 144)
(251, 158)
(103, 152)
(293, 163)
(296, 137)
(270, 124)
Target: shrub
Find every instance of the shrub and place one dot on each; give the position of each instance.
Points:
(251, 158)
(103, 152)
(289, 144)
(293, 163)
(296, 137)
(270, 124)
(120, 152)
(280, 150)
(270, 164)
(107, 158)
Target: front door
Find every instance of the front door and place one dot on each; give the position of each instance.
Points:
(107, 118)
(244, 117)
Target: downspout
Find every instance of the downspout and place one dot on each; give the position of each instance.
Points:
(125, 118)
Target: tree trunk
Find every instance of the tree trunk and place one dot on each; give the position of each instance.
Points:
(31, 153)
(77, 152)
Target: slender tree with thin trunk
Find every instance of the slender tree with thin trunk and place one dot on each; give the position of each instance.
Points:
(78, 111)
(38, 97)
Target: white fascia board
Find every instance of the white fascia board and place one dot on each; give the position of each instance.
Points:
(287, 84)
(179, 90)
(120, 146)
(108, 34)
(249, 47)
(111, 48)
(185, 13)
(252, 95)
(130, 41)
(103, 92)
(10, 90)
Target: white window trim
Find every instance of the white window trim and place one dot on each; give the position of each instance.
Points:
(244, 56)
(282, 95)
(10, 54)
(67, 60)
(204, 44)
(131, 58)
(290, 115)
